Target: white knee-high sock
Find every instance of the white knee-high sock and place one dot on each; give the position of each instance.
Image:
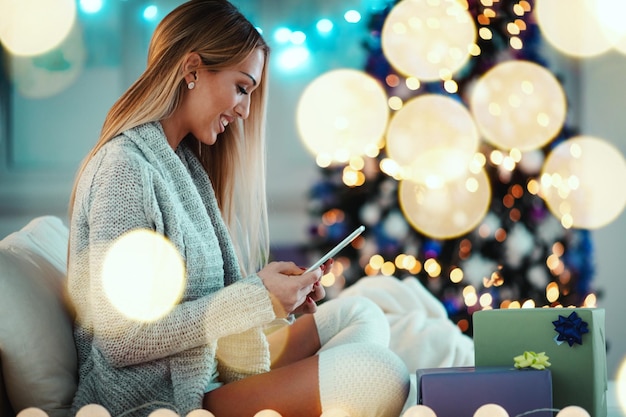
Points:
(351, 320)
(363, 380)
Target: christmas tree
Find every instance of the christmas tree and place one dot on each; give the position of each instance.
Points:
(518, 254)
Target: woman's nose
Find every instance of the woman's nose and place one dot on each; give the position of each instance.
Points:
(243, 107)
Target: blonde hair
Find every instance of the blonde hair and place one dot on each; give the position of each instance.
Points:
(222, 37)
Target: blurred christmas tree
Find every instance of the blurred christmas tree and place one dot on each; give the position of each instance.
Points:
(518, 253)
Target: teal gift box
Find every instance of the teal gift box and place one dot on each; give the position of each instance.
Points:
(572, 338)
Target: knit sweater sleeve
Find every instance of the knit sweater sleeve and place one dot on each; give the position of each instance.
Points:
(119, 196)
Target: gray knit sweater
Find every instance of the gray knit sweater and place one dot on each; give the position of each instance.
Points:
(138, 181)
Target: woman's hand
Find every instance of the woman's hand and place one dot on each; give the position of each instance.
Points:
(318, 293)
(292, 292)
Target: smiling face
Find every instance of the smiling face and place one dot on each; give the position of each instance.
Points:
(217, 99)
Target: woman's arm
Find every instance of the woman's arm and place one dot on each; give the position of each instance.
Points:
(120, 199)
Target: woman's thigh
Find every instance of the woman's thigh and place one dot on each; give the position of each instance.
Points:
(292, 390)
(294, 343)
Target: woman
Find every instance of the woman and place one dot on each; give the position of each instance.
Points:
(182, 153)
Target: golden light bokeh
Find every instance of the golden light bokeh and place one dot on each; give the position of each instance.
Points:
(610, 15)
(574, 30)
(419, 410)
(93, 410)
(573, 411)
(518, 104)
(341, 114)
(32, 27)
(433, 139)
(163, 412)
(200, 412)
(578, 182)
(491, 410)
(143, 275)
(448, 211)
(267, 413)
(422, 38)
(32, 412)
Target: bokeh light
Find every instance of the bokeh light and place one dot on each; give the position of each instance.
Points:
(32, 27)
(422, 38)
(200, 412)
(578, 182)
(491, 410)
(342, 114)
(448, 211)
(267, 413)
(419, 411)
(93, 410)
(573, 411)
(90, 6)
(352, 16)
(433, 138)
(163, 412)
(324, 25)
(574, 30)
(282, 35)
(32, 412)
(150, 13)
(293, 57)
(143, 275)
(518, 104)
(610, 14)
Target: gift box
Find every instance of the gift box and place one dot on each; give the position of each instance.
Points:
(460, 391)
(572, 338)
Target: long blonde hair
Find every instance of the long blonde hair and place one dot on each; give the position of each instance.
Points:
(223, 37)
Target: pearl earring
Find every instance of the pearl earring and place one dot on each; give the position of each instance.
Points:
(191, 85)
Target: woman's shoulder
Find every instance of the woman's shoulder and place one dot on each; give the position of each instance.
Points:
(117, 152)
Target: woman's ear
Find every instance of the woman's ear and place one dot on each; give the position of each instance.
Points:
(190, 66)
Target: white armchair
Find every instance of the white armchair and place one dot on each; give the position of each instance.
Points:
(38, 361)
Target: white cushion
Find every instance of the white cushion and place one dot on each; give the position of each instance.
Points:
(37, 352)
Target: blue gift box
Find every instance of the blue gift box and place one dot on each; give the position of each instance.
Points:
(460, 391)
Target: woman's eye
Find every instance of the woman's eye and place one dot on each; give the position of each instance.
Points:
(242, 90)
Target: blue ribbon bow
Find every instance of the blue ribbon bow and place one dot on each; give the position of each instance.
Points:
(570, 329)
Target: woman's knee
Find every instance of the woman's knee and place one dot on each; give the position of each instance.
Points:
(363, 380)
(357, 317)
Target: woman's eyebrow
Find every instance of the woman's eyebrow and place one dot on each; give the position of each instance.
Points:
(250, 76)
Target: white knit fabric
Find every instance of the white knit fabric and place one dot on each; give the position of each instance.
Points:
(358, 373)
(363, 380)
(351, 320)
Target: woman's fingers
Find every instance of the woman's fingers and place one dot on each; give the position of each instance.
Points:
(289, 287)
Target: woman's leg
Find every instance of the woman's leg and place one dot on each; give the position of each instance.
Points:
(351, 320)
(336, 322)
(361, 379)
(292, 390)
(293, 343)
(353, 371)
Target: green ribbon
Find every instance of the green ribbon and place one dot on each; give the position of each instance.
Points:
(532, 360)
